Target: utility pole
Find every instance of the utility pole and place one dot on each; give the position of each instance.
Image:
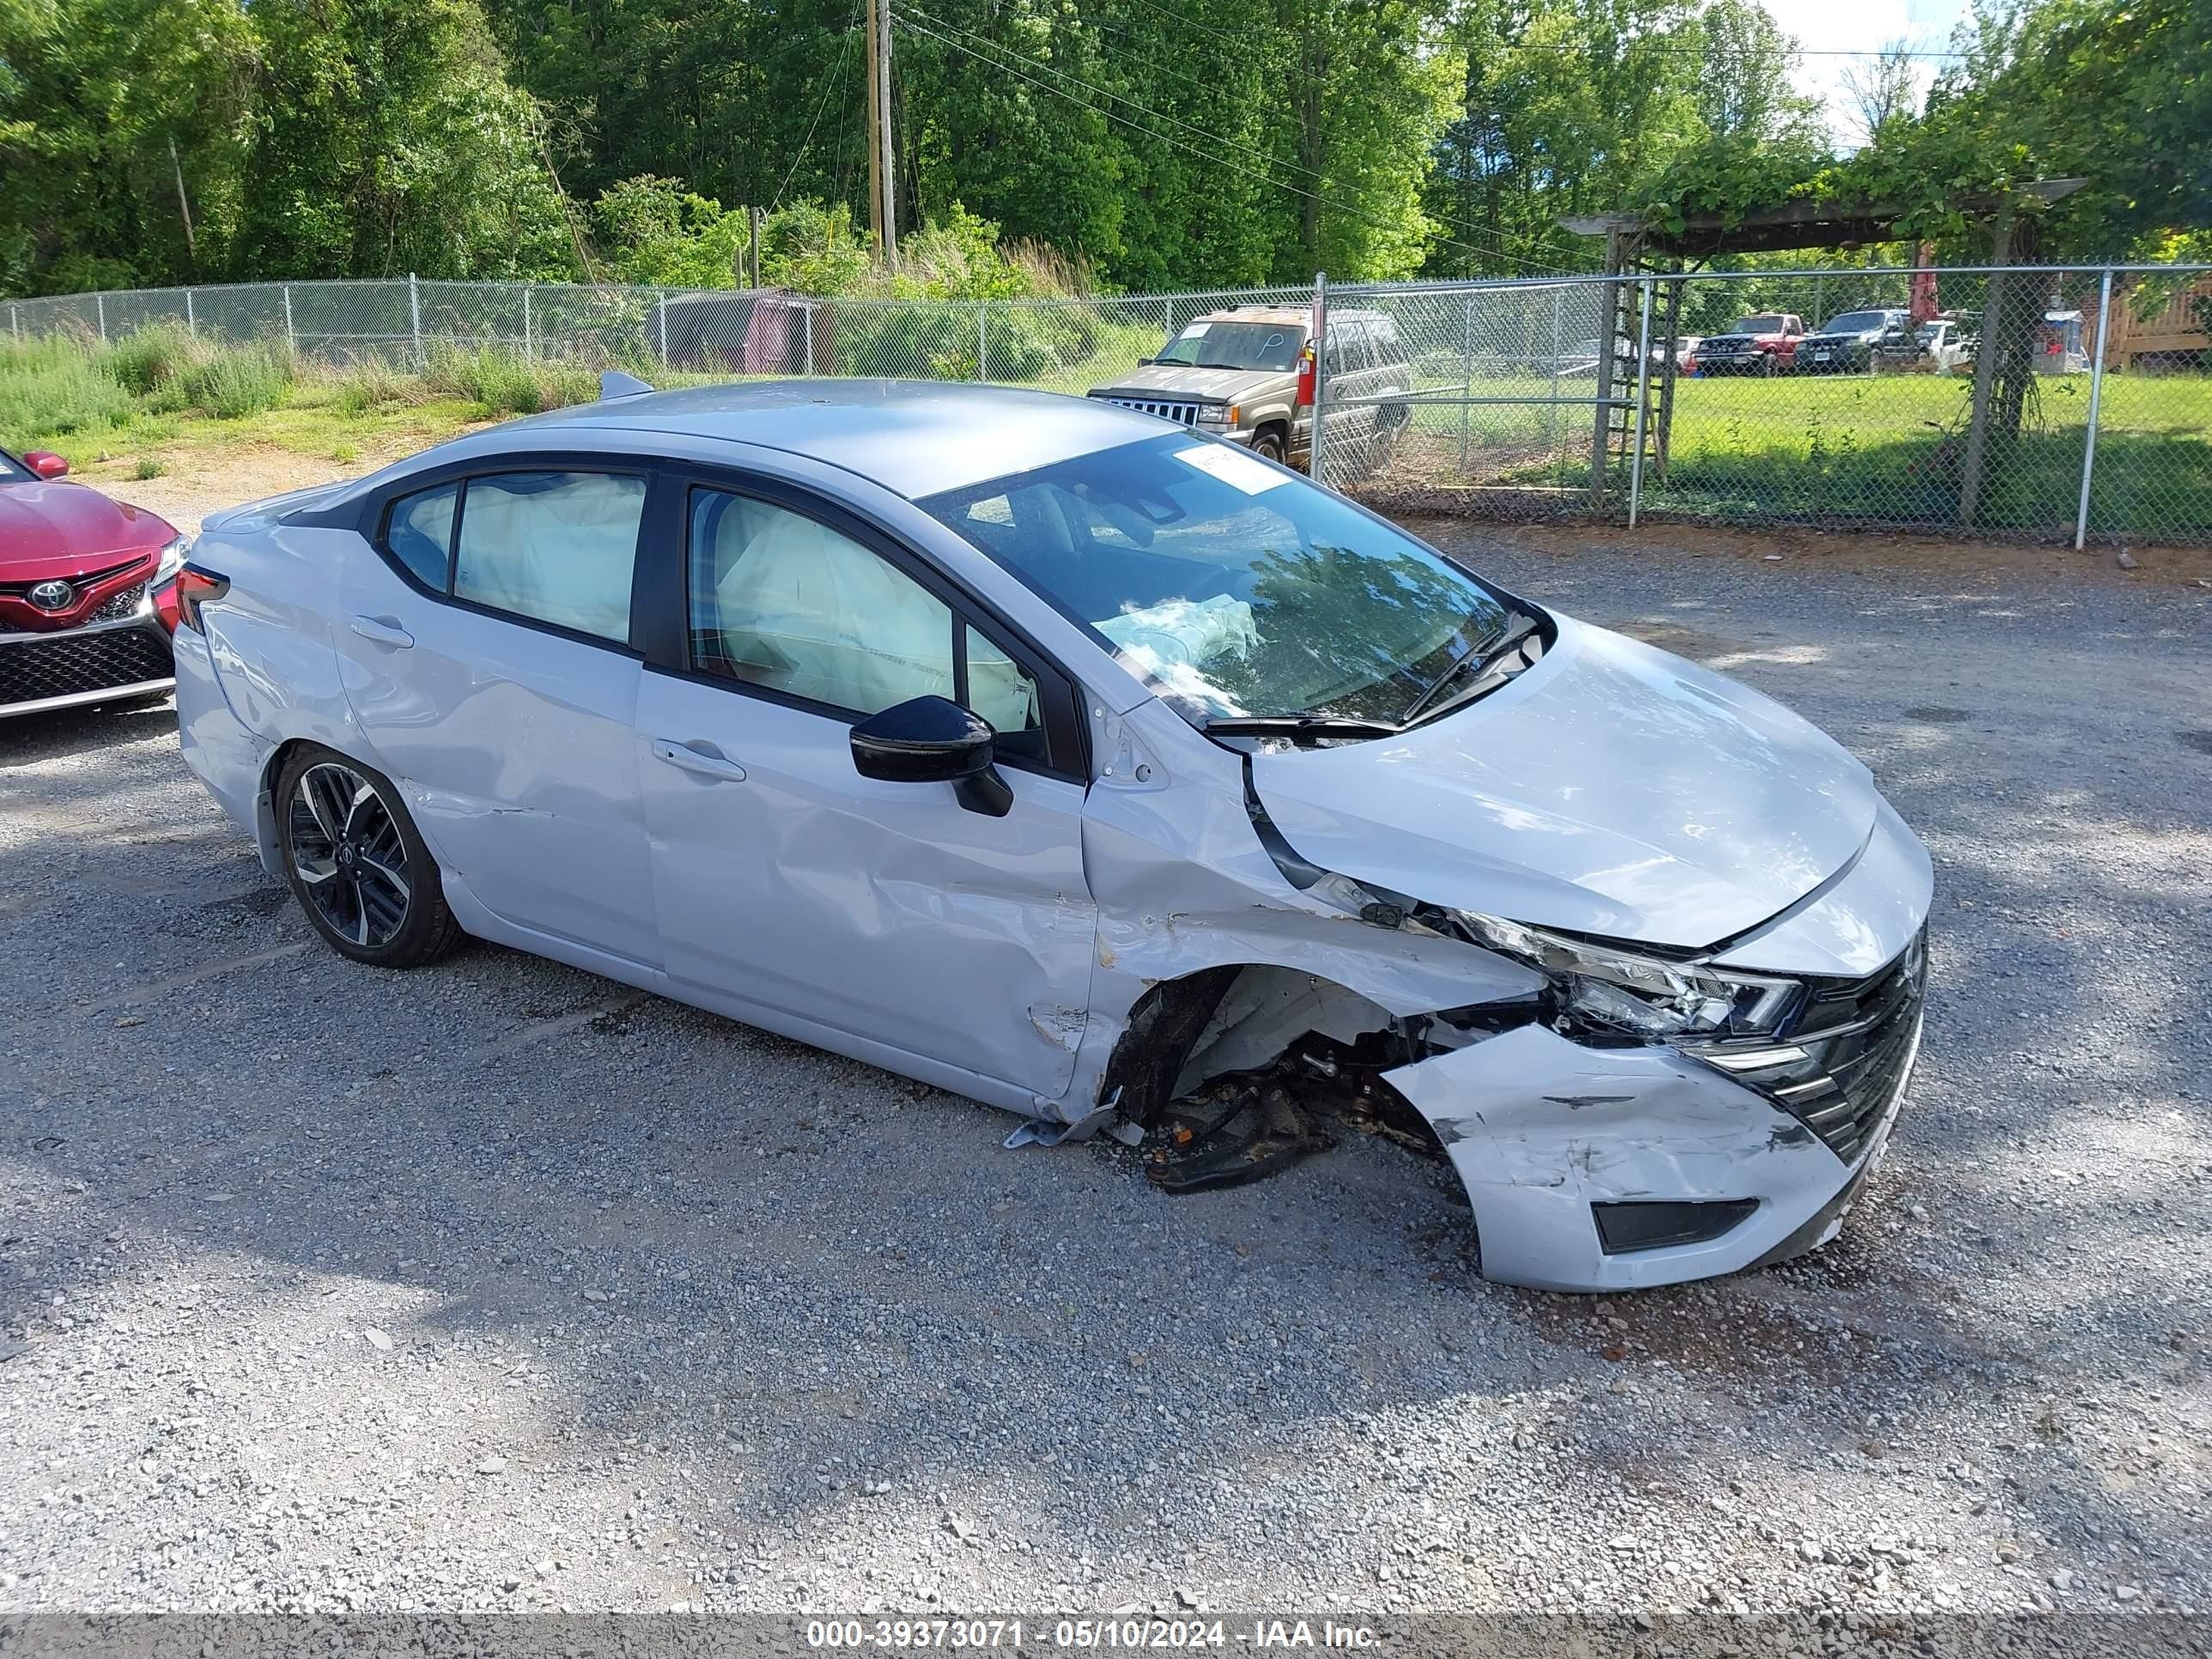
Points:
(753, 218)
(883, 211)
(883, 126)
(184, 205)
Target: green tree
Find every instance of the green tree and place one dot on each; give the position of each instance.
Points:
(108, 110)
(654, 231)
(387, 140)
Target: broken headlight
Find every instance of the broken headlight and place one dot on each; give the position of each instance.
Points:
(1610, 989)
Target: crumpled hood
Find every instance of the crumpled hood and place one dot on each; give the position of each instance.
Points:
(1172, 379)
(62, 528)
(1612, 789)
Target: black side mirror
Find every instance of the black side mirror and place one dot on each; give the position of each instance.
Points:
(934, 741)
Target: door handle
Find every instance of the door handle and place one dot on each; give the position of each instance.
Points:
(685, 758)
(383, 632)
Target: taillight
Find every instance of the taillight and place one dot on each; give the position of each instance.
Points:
(1306, 378)
(179, 601)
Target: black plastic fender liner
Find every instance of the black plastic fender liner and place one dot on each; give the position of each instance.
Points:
(1164, 1028)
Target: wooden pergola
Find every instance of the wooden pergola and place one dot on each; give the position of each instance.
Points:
(1634, 247)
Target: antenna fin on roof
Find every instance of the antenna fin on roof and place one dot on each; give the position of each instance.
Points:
(613, 383)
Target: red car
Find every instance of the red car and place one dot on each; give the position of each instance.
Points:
(80, 621)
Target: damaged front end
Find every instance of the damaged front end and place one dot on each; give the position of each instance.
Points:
(1620, 1115)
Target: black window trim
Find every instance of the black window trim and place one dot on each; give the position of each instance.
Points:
(372, 519)
(666, 634)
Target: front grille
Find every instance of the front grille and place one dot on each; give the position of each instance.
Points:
(79, 582)
(118, 607)
(1840, 1063)
(1181, 413)
(68, 664)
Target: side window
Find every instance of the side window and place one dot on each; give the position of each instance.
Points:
(1347, 347)
(781, 601)
(1001, 691)
(420, 533)
(555, 547)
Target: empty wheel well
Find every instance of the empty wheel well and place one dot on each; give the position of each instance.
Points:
(1247, 1016)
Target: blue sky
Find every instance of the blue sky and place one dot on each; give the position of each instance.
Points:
(1859, 26)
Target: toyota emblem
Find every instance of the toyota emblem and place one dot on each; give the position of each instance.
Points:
(51, 596)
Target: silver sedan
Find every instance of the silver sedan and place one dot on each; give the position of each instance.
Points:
(1096, 768)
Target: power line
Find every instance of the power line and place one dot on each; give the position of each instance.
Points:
(836, 75)
(1684, 48)
(1542, 239)
(1173, 15)
(908, 12)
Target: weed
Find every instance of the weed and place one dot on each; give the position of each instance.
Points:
(156, 357)
(148, 467)
(55, 388)
(234, 381)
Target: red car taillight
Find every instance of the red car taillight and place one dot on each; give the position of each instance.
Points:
(179, 600)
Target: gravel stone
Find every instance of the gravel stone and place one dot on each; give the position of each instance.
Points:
(744, 1323)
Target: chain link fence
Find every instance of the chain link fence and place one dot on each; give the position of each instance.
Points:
(2054, 403)
(2041, 402)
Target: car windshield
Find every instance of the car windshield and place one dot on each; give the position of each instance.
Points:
(1858, 322)
(1235, 345)
(1234, 588)
(1764, 323)
(1931, 331)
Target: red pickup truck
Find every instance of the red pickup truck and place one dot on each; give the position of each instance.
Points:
(1765, 343)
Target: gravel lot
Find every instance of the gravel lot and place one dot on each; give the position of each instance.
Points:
(499, 1286)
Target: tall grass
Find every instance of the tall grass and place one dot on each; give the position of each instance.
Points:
(57, 388)
(154, 357)
(232, 381)
(504, 383)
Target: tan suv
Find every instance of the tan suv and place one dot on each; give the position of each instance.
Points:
(1236, 372)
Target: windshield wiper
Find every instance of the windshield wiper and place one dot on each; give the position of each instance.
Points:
(1296, 726)
(1480, 660)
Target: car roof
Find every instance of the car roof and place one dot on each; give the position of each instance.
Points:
(1292, 316)
(915, 437)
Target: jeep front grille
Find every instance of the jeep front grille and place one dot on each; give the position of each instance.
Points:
(1839, 1066)
(1182, 414)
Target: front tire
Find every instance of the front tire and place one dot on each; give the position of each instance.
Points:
(1268, 445)
(357, 865)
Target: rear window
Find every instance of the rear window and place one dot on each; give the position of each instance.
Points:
(420, 533)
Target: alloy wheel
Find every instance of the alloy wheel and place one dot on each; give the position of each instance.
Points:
(349, 855)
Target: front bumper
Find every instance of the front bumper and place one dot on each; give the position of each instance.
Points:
(1834, 356)
(1726, 1157)
(123, 652)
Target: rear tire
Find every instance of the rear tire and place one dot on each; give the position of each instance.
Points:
(357, 865)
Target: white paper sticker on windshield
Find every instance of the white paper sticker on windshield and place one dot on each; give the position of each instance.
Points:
(1232, 466)
(1194, 330)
